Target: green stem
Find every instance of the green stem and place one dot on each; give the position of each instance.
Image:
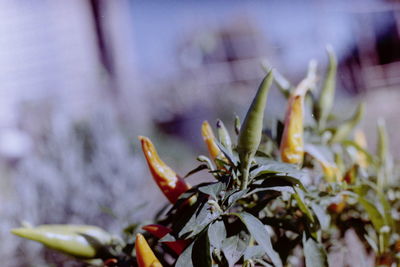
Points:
(245, 176)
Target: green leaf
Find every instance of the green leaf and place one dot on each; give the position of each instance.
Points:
(272, 166)
(373, 213)
(271, 188)
(236, 195)
(233, 248)
(302, 206)
(351, 143)
(322, 216)
(314, 253)
(327, 96)
(320, 152)
(387, 209)
(345, 129)
(200, 219)
(223, 136)
(207, 161)
(212, 189)
(216, 234)
(228, 154)
(201, 247)
(281, 82)
(277, 180)
(254, 252)
(260, 234)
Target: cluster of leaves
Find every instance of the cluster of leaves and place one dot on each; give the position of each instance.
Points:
(283, 208)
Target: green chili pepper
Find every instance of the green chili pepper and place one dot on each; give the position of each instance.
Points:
(223, 136)
(344, 130)
(251, 130)
(328, 90)
(81, 241)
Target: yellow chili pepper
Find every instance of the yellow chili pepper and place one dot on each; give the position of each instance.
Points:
(209, 139)
(171, 184)
(292, 146)
(144, 255)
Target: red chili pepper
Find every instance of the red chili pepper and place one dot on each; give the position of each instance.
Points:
(171, 184)
(160, 231)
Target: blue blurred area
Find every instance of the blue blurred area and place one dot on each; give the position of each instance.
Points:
(296, 31)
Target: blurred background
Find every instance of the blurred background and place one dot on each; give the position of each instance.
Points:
(80, 80)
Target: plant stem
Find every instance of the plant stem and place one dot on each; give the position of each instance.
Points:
(245, 176)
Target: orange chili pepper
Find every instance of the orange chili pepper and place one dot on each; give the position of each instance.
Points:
(160, 231)
(144, 255)
(209, 139)
(171, 184)
(292, 146)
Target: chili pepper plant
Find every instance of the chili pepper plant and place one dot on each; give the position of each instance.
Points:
(288, 191)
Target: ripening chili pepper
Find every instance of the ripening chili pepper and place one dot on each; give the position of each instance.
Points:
(171, 184)
(144, 255)
(69, 239)
(160, 231)
(327, 96)
(251, 129)
(209, 139)
(292, 145)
